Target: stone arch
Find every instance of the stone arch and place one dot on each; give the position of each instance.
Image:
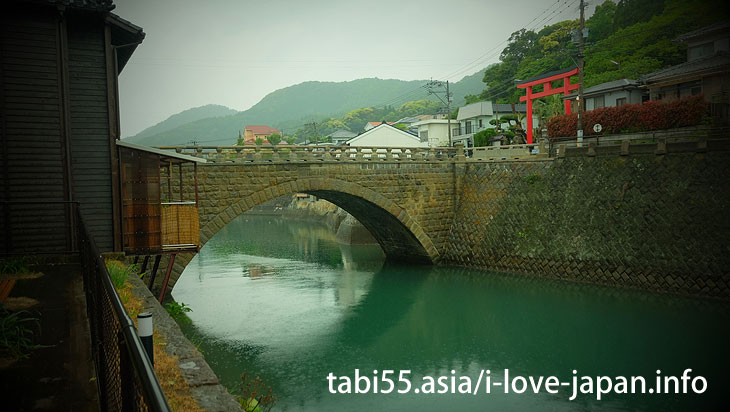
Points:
(407, 241)
(400, 236)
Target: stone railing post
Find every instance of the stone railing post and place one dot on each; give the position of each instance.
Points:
(219, 154)
(358, 154)
(292, 153)
(275, 154)
(460, 152)
(661, 147)
(199, 152)
(257, 153)
(238, 152)
(625, 147)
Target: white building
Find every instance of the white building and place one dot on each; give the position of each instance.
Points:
(435, 132)
(475, 117)
(385, 135)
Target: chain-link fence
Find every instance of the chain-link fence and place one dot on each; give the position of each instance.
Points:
(125, 376)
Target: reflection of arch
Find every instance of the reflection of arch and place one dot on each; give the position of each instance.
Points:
(400, 236)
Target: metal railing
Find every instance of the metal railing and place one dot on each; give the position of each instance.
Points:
(125, 376)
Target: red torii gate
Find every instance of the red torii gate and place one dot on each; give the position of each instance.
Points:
(545, 79)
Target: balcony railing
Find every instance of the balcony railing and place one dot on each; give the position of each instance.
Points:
(180, 226)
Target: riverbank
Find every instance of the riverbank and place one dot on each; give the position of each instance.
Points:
(194, 372)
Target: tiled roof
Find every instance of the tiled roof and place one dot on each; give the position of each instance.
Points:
(719, 26)
(262, 129)
(620, 84)
(507, 108)
(343, 134)
(98, 5)
(719, 62)
(378, 123)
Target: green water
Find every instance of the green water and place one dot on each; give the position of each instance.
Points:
(282, 300)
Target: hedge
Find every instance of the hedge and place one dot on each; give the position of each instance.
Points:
(639, 117)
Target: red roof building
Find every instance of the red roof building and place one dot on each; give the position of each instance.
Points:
(252, 132)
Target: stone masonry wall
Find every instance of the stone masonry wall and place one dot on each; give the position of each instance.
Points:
(419, 197)
(658, 222)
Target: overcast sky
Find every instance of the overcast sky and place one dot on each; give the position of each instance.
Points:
(234, 53)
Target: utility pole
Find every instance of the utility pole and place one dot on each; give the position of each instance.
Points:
(580, 74)
(314, 126)
(433, 84)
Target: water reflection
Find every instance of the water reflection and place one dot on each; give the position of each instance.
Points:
(292, 306)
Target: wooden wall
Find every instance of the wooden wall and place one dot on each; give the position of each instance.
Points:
(32, 132)
(55, 129)
(90, 152)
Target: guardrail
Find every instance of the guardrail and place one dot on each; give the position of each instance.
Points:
(678, 135)
(125, 376)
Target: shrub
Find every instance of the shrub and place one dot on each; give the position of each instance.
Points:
(652, 115)
(178, 312)
(118, 271)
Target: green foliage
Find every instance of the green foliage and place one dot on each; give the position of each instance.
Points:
(118, 272)
(483, 137)
(177, 311)
(259, 141)
(18, 332)
(14, 265)
(355, 120)
(638, 34)
(601, 24)
(274, 139)
(630, 12)
(290, 107)
(290, 139)
(256, 396)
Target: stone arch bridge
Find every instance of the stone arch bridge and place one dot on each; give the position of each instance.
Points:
(404, 197)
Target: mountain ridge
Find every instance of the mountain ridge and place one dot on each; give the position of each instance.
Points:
(290, 107)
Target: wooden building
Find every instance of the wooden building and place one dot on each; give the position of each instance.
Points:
(59, 120)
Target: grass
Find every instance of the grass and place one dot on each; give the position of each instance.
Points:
(18, 332)
(174, 386)
(118, 271)
(14, 265)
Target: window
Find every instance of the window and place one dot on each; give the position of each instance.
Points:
(621, 101)
(423, 135)
(700, 51)
(480, 123)
(468, 127)
(599, 102)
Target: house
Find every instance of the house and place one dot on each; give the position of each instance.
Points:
(706, 71)
(610, 94)
(386, 135)
(435, 132)
(254, 132)
(370, 125)
(341, 136)
(59, 109)
(475, 117)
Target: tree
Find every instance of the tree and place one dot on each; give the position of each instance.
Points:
(240, 141)
(484, 137)
(290, 139)
(259, 141)
(601, 24)
(274, 139)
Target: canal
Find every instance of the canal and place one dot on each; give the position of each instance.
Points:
(282, 300)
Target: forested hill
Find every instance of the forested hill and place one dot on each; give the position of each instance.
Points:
(626, 39)
(293, 106)
(186, 116)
